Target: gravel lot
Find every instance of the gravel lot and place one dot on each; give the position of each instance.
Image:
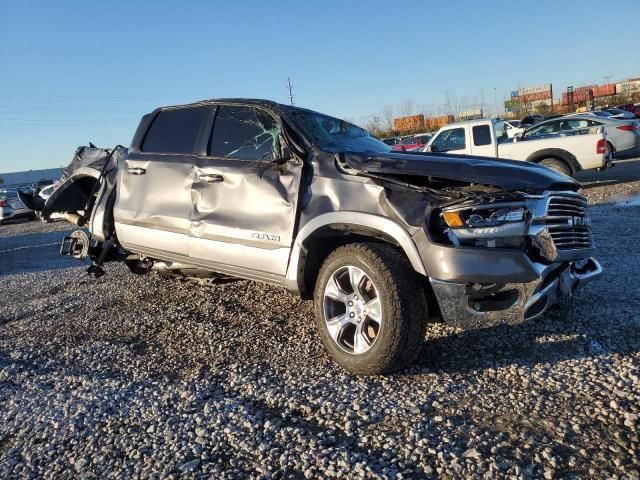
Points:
(131, 376)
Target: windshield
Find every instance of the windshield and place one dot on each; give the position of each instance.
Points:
(602, 113)
(336, 135)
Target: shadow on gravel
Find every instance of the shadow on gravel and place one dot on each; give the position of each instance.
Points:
(522, 345)
(32, 252)
(626, 171)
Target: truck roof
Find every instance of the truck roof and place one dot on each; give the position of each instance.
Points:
(474, 122)
(246, 101)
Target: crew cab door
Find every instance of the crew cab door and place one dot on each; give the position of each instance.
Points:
(153, 204)
(244, 204)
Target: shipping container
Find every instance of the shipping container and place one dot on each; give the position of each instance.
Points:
(547, 87)
(605, 90)
(435, 123)
(532, 97)
(630, 86)
(405, 124)
(472, 114)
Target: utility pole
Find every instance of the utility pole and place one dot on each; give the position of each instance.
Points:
(495, 101)
(606, 78)
(290, 90)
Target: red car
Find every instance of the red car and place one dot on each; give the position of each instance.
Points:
(412, 143)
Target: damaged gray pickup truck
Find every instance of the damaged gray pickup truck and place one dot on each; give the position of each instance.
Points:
(383, 242)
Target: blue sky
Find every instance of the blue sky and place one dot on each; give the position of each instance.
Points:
(74, 72)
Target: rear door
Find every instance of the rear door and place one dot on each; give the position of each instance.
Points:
(244, 205)
(153, 207)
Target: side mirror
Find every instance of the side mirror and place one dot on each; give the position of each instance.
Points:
(429, 148)
(285, 156)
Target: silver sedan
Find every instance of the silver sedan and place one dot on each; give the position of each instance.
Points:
(622, 135)
(11, 207)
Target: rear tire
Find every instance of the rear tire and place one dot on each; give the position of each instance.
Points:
(609, 153)
(384, 328)
(557, 165)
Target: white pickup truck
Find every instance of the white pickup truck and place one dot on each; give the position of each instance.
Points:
(567, 153)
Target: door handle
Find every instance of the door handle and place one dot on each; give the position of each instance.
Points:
(211, 178)
(136, 171)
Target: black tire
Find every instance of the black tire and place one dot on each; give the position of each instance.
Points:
(557, 165)
(612, 151)
(403, 308)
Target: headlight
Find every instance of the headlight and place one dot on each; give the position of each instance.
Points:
(503, 227)
(482, 217)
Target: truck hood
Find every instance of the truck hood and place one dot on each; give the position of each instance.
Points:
(509, 175)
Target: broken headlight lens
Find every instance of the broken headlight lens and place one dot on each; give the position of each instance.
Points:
(482, 217)
(495, 227)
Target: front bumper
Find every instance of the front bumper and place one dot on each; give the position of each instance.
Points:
(473, 305)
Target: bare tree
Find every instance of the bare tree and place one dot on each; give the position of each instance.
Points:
(387, 116)
(408, 108)
(374, 126)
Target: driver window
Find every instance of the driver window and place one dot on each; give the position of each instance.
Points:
(246, 133)
(448, 140)
(574, 124)
(542, 130)
(500, 131)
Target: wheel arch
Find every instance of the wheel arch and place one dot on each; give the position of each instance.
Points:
(559, 154)
(330, 230)
(73, 193)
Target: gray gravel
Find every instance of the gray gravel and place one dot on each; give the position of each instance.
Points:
(130, 376)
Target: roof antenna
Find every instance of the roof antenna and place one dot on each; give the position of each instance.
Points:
(290, 90)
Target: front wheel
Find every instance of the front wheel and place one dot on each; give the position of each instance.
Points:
(371, 309)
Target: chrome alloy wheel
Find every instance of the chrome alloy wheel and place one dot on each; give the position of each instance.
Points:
(352, 310)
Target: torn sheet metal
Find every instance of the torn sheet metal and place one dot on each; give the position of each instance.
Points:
(506, 174)
(76, 185)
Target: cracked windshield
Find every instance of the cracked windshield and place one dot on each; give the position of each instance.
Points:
(337, 135)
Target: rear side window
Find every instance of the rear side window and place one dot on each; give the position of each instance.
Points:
(481, 135)
(246, 133)
(175, 131)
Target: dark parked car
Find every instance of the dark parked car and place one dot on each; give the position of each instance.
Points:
(391, 140)
(381, 241)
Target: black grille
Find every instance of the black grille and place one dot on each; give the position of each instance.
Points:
(567, 223)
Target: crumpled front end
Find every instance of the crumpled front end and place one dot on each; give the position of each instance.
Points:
(508, 259)
(478, 305)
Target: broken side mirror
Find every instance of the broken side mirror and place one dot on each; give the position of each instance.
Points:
(285, 155)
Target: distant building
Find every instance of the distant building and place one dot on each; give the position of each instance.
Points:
(20, 179)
